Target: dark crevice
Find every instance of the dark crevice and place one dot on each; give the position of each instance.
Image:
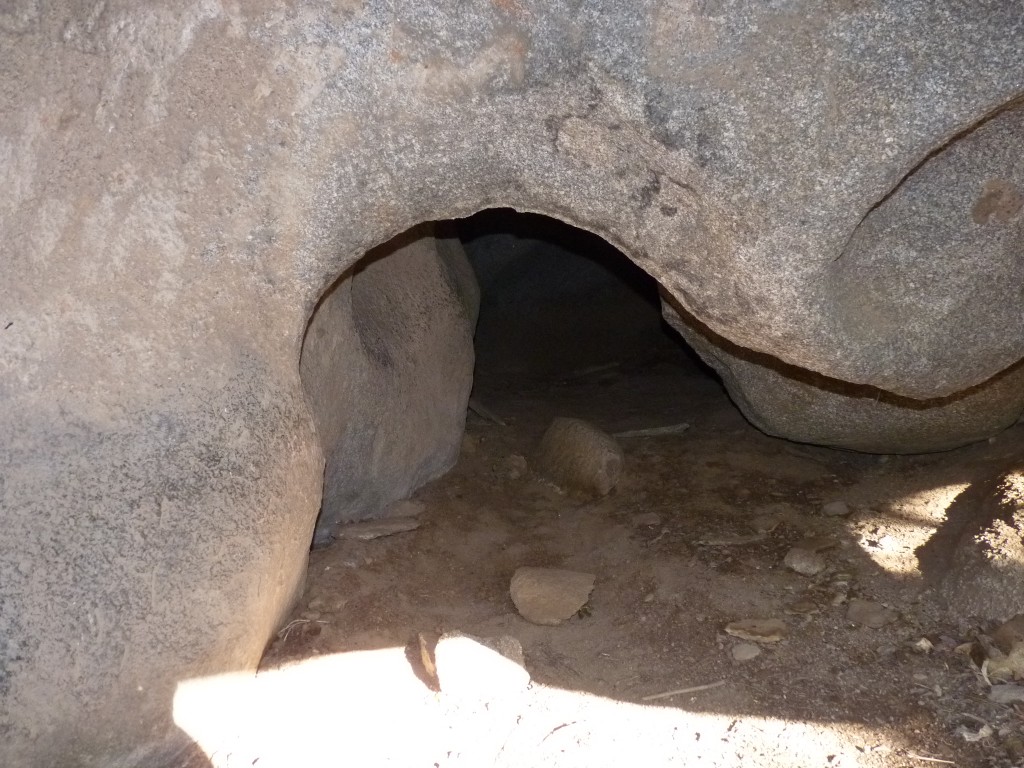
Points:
(557, 302)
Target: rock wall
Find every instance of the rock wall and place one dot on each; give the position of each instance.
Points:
(387, 363)
(184, 180)
(807, 407)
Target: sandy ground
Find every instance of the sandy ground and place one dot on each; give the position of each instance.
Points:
(693, 538)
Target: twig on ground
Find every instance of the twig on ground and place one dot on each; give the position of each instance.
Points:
(485, 413)
(680, 691)
(915, 756)
(671, 429)
(286, 629)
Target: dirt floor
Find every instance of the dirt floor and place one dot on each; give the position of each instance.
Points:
(692, 539)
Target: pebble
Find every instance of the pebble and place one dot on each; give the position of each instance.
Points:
(745, 651)
(924, 645)
(836, 509)
(549, 596)
(804, 561)
(758, 630)
(869, 614)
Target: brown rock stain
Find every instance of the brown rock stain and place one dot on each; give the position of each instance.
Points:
(1000, 200)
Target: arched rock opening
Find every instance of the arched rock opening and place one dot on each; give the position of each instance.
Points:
(388, 359)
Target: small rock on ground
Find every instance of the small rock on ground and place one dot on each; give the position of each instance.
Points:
(745, 651)
(480, 668)
(836, 509)
(549, 596)
(758, 630)
(804, 561)
(869, 614)
(579, 456)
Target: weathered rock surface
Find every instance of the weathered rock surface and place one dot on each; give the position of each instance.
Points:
(387, 364)
(580, 457)
(184, 180)
(550, 595)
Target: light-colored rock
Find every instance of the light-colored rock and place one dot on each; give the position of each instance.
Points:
(745, 651)
(480, 668)
(1007, 666)
(869, 613)
(387, 364)
(580, 457)
(758, 630)
(549, 596)
(836, 509)
(804, 561)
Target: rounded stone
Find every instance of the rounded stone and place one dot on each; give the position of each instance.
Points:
(804, 561)
(550, 596)
(745, 652)
(578, 455)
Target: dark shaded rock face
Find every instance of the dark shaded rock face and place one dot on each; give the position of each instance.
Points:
(185, 180)
(400, 327)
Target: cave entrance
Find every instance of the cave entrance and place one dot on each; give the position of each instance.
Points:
(571, 327)
(558, 321)
(737, 580)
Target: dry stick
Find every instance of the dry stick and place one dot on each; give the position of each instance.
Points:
(485, 413)
(671, 429)
(929, 759)
(680, 691)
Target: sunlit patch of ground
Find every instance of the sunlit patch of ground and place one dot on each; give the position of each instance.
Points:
(367, 708)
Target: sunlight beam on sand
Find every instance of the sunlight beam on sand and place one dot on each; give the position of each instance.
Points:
(368, 709)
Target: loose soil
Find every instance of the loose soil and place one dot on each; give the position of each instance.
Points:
(693, 538)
